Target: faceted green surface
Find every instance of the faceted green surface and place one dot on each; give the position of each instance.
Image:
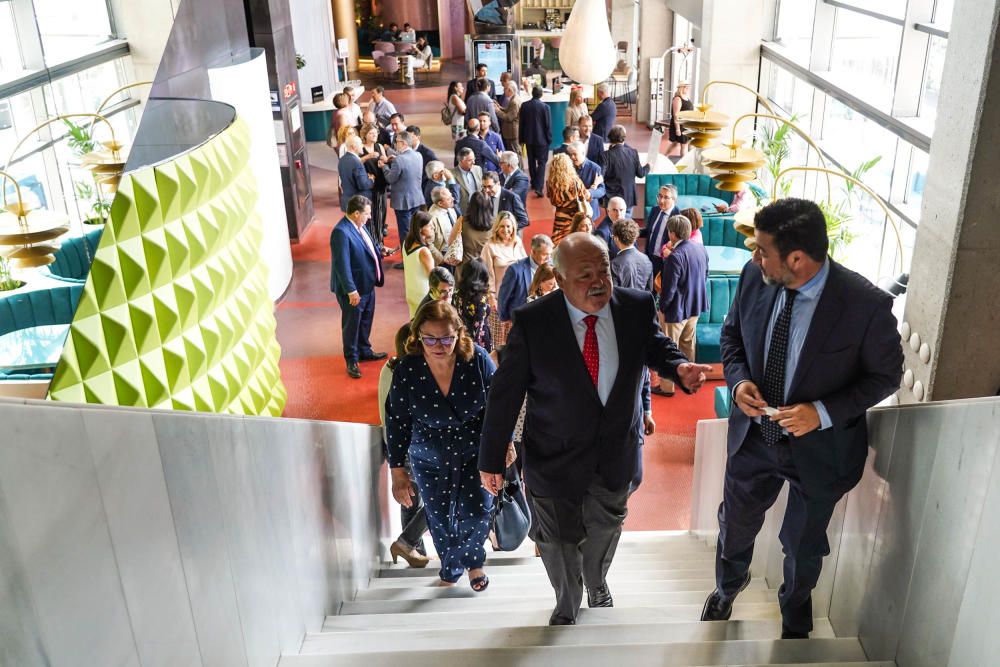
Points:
(175, 313)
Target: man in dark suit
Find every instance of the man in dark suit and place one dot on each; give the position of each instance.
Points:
(513, 291)
(605, 230)
(605, 113)
(629, 267)
(818, 343)
(577, 355)
(591, 176)
(536, 136)
(473, 85)
(504, 200)
(485, 157)
(482, 102)
(683, 291)
(403, 172)
(426, 154)
(655, 231)
(357, 271)
(622, 167)
(570, 135)
(593, 142)
(354, 179)
(511, 176)
(387, 135)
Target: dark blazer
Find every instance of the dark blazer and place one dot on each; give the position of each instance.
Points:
(353, 265)
(631, 268)
(479, 103)
(484, 154)
(518, 183)
(470, 88)
(595, 149)
(353, 179)
(512, 203)
(621, 168)
(561, 148)
(683, 291)
(603, 230)
(387, 137)
(651, 230)
(569, 436)
(588, 172)
(456, 192)
(604, 117)
(426, 155)
(851, 359)
(513, 292)
(536, 123)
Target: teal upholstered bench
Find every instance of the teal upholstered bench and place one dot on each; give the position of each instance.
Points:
(23, 309)
(721, 292)
(723, 402)
(693, 191)
(73, 259)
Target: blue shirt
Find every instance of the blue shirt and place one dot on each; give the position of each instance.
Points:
(802, 314)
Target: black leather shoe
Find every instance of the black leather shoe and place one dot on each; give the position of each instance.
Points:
(353, 370)
(791, 634)
(374, 356)
(561, 620)
(718, 607)
(599, 597)
(398, 266)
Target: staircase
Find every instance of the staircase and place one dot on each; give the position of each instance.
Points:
(659, 582)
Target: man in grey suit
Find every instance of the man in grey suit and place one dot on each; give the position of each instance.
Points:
(481, 102)
(629, 268)
(469, 176)
(403, 171)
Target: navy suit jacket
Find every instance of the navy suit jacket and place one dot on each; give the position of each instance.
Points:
(604, 231)
(353, 265)
(595, 149)
(851, 359)
(683, 291)
(426, 155)
(621, 168)
(536, 123)
(570, 437)
(470, 88)
(651, 230)
(604, 117)
(485, 157)
(353, 179)
(518, 183)
(512, 203)
(588, 172)
(513, 291)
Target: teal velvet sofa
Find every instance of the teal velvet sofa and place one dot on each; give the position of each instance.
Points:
(72, 260)
(29, 308)
(698, 191)
(721, 292)
(723, 402)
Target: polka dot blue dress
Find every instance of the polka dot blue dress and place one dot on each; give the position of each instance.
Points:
(441, 434)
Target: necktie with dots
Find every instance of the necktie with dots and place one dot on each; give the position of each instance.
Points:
(591, 351)
(774, 371)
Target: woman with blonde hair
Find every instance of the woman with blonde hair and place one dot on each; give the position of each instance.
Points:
(434, 413)
(577, 107)
(582, 222)
(342, 134)
(567, 193)
(502, 250)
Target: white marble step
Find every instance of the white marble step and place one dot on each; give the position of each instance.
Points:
(675, 654)
(489, 618)
(543, 635)
(538, 577)
(622, 561)
(544, 599)
(501, 587)
(667, 547)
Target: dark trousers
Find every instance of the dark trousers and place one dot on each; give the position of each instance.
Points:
(577, 538)
(414, 521)
(754, 477)
(538, 156)
(356, 325)
(403, 216)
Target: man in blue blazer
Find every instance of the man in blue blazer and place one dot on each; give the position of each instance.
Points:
(655, 231)
(683, 290)
(617, 210)
(535, 134)
(485, 157)
(513, 291)
(403, 174)
(504, 200)
(354, 179)
(427, 154)
(818, 343)
(605, 113)
(591, 175)
(356, 272)
(570, 135)
(593, 142)
(511, 176)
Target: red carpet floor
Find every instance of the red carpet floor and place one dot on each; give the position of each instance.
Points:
(312, 363)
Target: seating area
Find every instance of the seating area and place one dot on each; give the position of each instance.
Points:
(23, 309)
(721, 292)
(74, 257)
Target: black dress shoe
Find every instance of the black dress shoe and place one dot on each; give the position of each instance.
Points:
(398, 266)
(539, 194)
(561, 620)
(353, 370)
(718, 607)
(599, 597)
(374, 356)
(791, 634)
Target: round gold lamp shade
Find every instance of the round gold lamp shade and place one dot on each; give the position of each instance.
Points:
(702, 125)
(732, 165)
(24, 233)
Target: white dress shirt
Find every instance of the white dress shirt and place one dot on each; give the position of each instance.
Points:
(607, 345)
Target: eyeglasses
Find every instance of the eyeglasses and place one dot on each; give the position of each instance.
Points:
(432, 341)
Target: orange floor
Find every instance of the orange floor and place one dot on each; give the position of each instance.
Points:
(312, 363)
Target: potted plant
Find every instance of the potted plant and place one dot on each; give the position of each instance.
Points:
(300, 61)
(100, 208)
(7, 281)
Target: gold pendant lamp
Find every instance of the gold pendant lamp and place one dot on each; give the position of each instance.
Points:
(24, 233)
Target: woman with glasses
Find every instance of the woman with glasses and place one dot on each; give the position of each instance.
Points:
(434, 413)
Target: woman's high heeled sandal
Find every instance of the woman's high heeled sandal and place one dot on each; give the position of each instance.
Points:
(412, 557)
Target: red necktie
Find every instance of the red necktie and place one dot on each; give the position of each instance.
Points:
(591, 351)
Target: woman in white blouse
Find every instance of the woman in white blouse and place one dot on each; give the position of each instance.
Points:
(503, 249)
(577, 107)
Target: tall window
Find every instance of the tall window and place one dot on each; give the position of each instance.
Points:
(66, 28)
(864, 56)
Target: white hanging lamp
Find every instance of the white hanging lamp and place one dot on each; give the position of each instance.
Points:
(587, 53)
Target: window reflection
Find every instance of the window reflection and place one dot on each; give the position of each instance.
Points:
(865, 54)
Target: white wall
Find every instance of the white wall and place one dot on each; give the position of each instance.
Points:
(312, 28)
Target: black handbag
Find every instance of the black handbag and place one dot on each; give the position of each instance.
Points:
(511, 516)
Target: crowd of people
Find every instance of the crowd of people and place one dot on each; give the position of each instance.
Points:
(585, 326)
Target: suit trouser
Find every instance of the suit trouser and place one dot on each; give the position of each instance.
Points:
(356, 325)
(754, 477)
(538, 156)
(577, 538)
(682, 333)
(403, 216)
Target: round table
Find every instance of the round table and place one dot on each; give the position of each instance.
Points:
(32, 348)
(723, 260)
